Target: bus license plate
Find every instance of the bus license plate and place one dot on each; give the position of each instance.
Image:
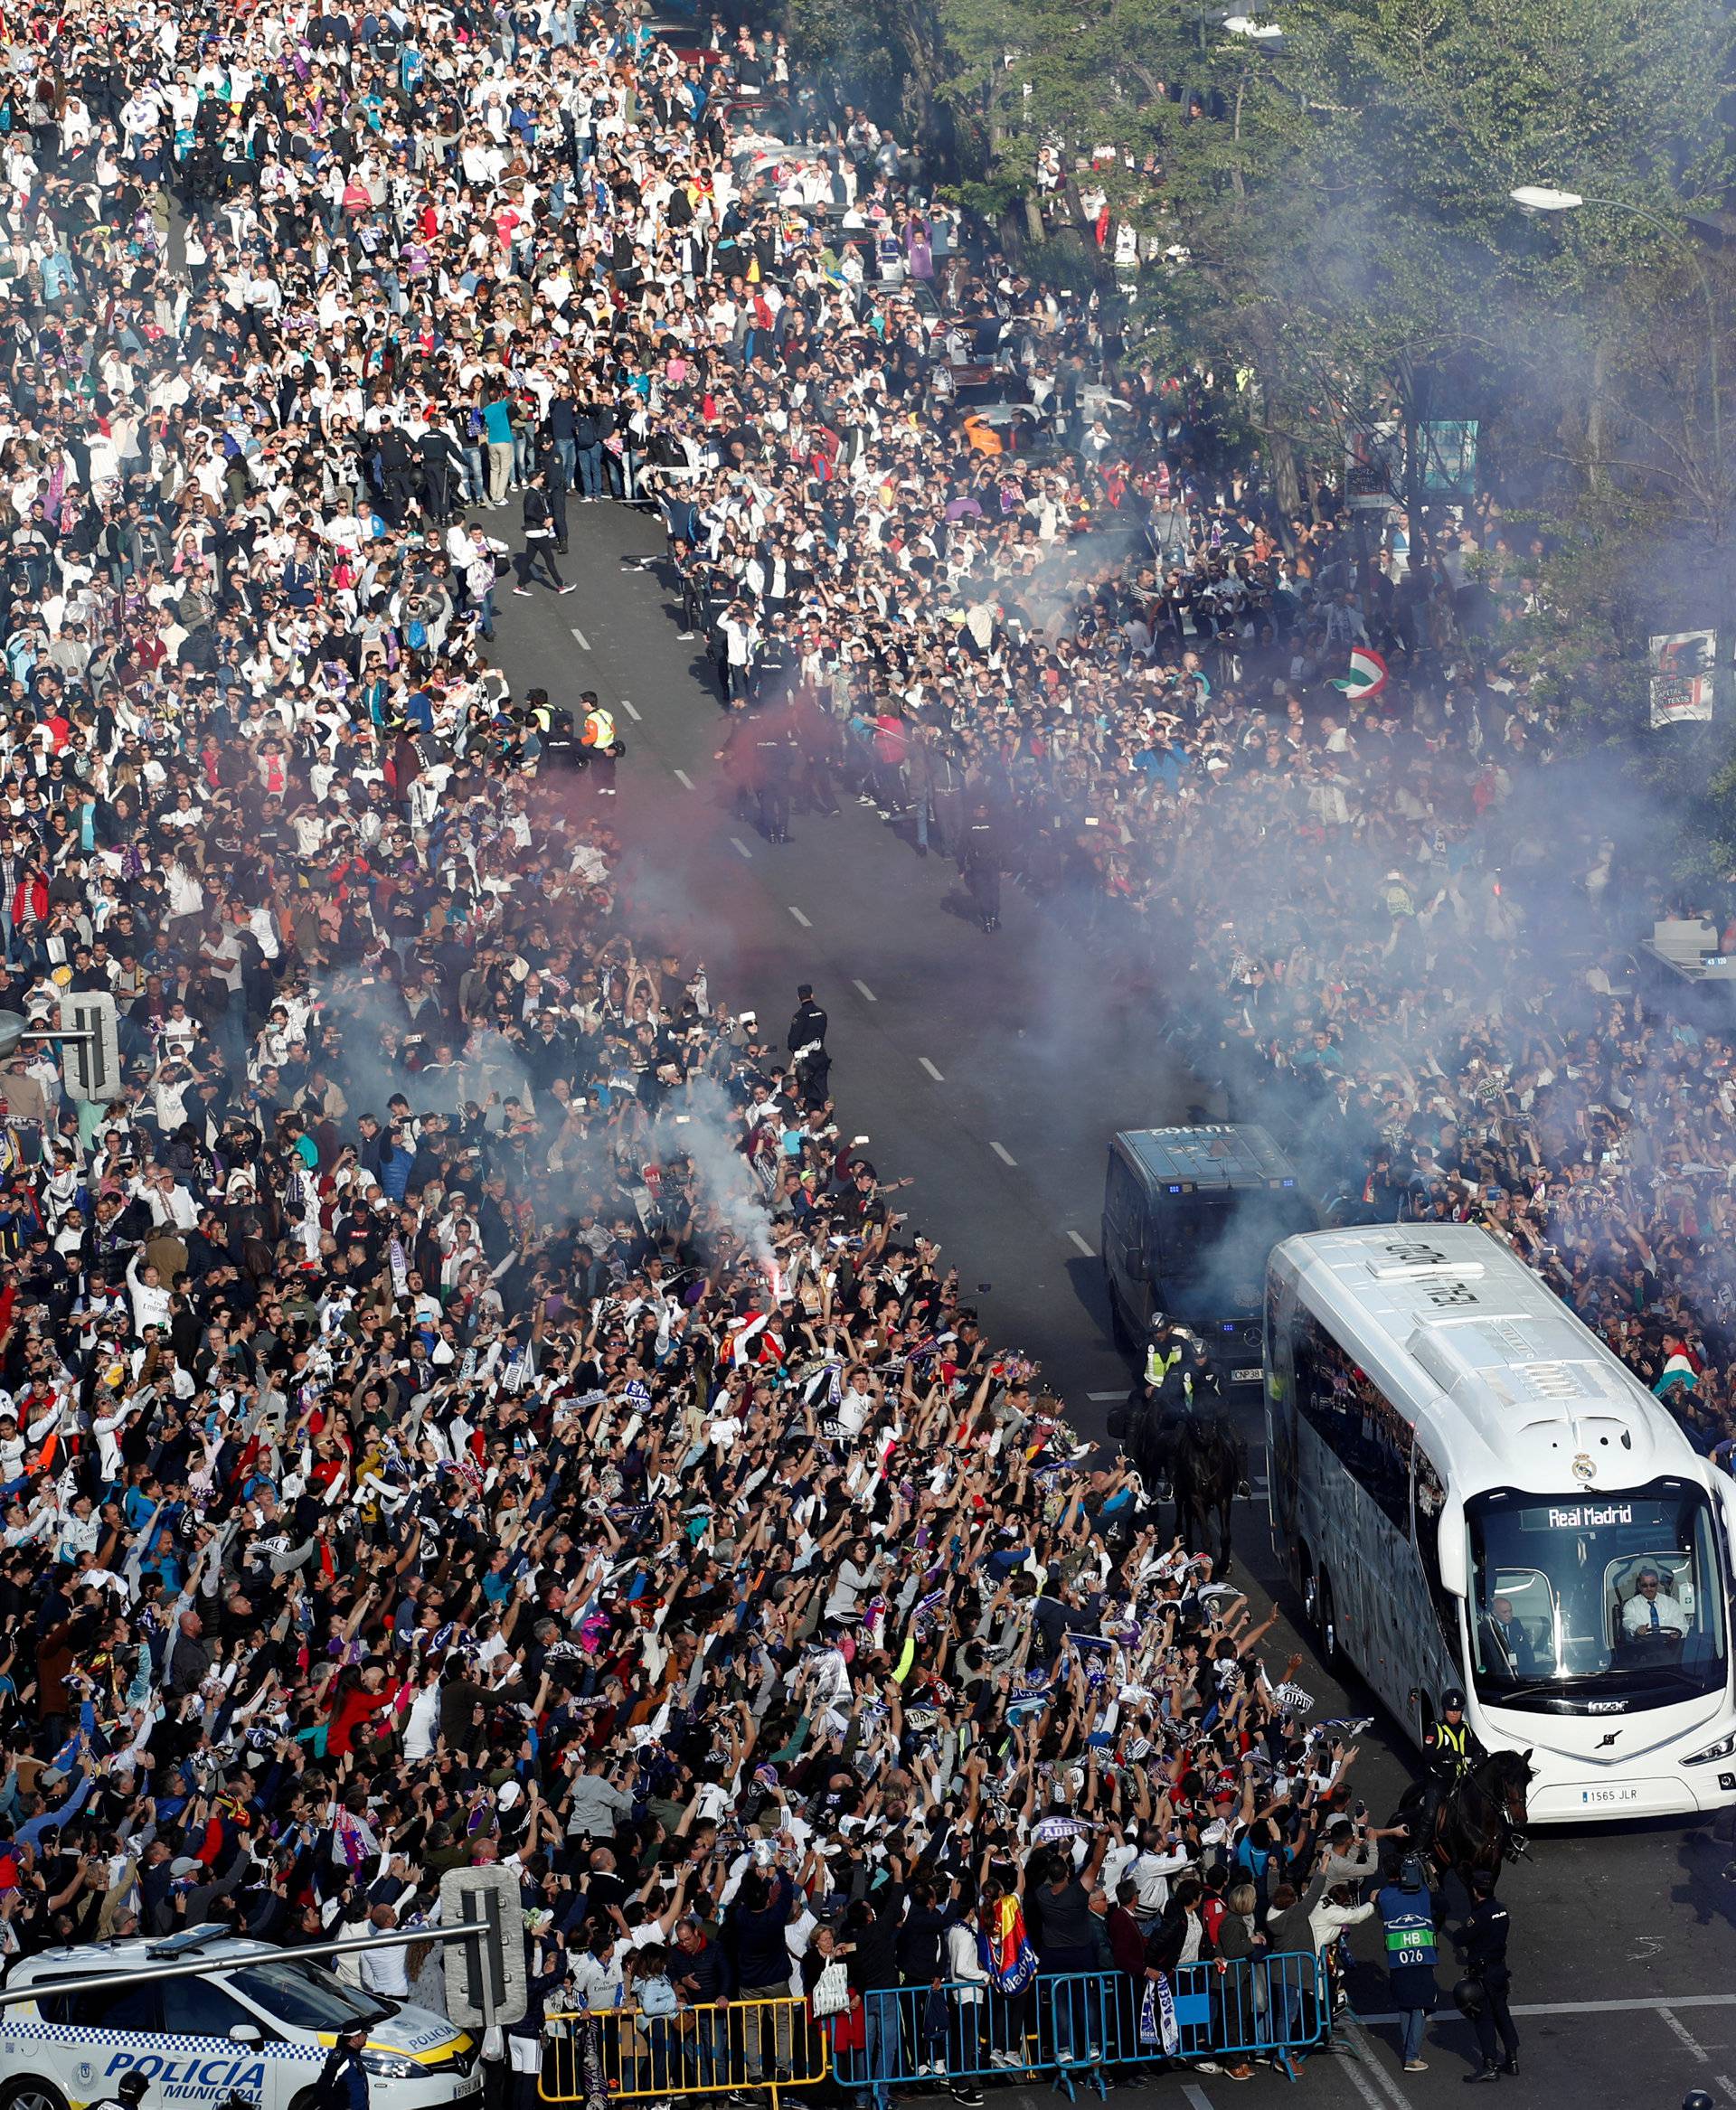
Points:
(1603, 1797)
(1246, 1377)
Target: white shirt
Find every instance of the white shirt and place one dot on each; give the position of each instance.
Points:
(1637, 1615)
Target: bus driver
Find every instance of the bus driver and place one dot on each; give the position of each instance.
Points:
(1652, 1611)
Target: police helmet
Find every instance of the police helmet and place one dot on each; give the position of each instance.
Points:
(1470, 1998)
(1482, 1883)
(1161, 1323)
(132, 2086)
(1452, 1701)
(1696, 2100)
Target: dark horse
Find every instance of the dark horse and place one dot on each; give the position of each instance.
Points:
(1198, 1452)
(1478, 1822)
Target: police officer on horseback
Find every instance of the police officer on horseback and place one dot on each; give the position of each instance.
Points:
(1176, 1374)
(1448, 1744)
(1450, 1750)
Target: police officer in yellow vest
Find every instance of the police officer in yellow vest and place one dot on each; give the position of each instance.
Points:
(597, 738)
(1176, 1372)
(1450, 1750)
(1175, 1365)
(1447, 1744)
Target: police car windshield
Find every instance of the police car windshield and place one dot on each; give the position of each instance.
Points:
(1579, 1597)
(307, 1998)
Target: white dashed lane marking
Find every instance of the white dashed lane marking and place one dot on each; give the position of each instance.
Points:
(682, 778)
(580, 635)
(932, 1071)
(630, 711)
(800, 918)
(1083, 1244)
(740, 846)
(1004, 1153)
(868, 995)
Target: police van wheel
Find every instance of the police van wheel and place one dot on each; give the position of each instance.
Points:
(31, 2093)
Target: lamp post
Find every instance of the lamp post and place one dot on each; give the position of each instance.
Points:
(1542, 198)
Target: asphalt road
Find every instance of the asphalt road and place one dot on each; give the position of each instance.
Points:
(994, 1069)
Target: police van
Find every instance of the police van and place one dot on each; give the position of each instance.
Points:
(1190, 1215)
(261, 2029)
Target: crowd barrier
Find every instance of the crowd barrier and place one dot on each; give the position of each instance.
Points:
(633, 2056)
(1069, 2026)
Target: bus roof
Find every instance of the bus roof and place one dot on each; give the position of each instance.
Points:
(1223, 1155)
(1504, 1383)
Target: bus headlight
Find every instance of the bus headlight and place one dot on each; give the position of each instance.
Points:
(1724, 1748)
(390, 2066)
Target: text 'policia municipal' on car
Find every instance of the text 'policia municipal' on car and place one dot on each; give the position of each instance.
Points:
(260, 2027)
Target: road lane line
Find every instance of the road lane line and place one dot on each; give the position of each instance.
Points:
(1352, 2069)
(1684, 2036)
(741, 845)
(1595, 2007)
(1727, 2084)
(800, 918)
(1197, 2096)
(1083, 1245)
(632, 713)
(932, 1071)
(1004, 1153)
(1373, 2070)
(682, 777)
(868, 995)
(580, 635)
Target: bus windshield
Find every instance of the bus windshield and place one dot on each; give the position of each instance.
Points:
(1581, 1597)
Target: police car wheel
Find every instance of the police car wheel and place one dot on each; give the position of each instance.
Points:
(31, 2094)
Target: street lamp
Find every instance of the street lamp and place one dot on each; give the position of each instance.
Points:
(1542, 198)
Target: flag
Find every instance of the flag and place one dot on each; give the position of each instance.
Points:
(1682, 666)
(1367, 675)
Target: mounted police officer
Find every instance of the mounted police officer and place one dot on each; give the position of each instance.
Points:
(1176, 1377)
(1450, 1750)
(1447, 1745)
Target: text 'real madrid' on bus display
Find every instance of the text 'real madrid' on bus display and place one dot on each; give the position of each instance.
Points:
(1471, 1490)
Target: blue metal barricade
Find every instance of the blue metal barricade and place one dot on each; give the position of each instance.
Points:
(1072, 2025)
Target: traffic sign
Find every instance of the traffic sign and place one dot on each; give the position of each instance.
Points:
(90, 1056)
(486, 1979)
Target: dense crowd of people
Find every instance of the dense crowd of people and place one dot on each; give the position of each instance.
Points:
(464, 1397)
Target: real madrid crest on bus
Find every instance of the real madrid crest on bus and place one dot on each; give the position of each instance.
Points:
(1585, 1467)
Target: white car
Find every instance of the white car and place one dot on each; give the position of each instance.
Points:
(260, 2028)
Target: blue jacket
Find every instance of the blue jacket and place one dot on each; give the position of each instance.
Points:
(1408, 1920)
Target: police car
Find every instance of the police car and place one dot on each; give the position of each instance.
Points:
(260, 2028)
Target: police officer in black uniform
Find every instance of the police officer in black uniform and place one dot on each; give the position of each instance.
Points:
(1481, 1943)
(130, 2091)
(810, 1022)
(979, 859)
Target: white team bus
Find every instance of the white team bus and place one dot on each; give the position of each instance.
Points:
(1471, 1490)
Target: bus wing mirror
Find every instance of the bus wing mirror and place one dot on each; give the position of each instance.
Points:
(1450, 1548)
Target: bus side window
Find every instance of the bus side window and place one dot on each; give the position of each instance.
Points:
(1355, 1420)
(1427, 1496)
